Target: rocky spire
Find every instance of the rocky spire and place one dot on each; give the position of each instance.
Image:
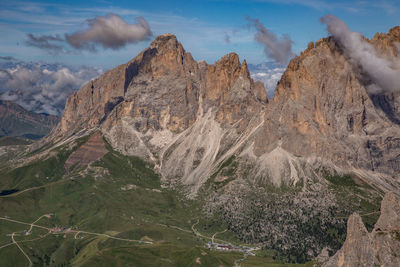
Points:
(381, 247)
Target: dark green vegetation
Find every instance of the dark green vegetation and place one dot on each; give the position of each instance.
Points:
(119, 196)
(18, 122)
(293, 222)
(354, 195)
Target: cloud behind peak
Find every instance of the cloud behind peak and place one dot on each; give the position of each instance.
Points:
(382, 72)
(278, 49)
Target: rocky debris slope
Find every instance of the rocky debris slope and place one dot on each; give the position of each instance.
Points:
(381, 247)
(188, 117)
(182, 115)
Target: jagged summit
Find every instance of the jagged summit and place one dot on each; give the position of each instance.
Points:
(165, 63)
(164, 40)
(210, 131)
(319, 106)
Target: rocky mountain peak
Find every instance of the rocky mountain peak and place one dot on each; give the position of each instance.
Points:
(381, 247)
(326, 101)
(163, 40)
(164, 71)
(395, 32)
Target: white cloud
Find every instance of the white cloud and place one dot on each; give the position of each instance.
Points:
(278, 49)
(109, 31)
(384, 74)
(269, 73)
(42, 87)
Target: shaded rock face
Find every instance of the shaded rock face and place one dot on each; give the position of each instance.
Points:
(381, 247)
(17, 121)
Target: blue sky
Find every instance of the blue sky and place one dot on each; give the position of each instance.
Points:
(201, 26)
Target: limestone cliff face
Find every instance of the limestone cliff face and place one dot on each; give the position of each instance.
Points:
(169, 109)
(388, 44)
(321, 109)
(199, 123)
(187, 116)
(163, 77)
(381, 247)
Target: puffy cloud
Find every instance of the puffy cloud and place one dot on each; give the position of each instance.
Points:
(269, 73)
(110, 31)
(383, 73)
(277, 49)
(42, 87)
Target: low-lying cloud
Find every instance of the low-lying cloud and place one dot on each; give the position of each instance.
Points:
(110, 31)
(269, 73)
(42, 88)
(383, 73)
(278, 49)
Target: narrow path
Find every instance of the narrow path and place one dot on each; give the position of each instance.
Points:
(38, 219)
(6, 245)
(33, 188)
(78, 231)
(207, 237)
(213, 236)
(13, 240)
(237, 262)
(15, 221)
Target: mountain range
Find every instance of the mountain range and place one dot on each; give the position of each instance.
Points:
(16, 121)
(283, 173)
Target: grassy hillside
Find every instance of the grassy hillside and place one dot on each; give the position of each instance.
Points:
(118, 213)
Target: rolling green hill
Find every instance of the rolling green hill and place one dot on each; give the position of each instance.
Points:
(117, 212)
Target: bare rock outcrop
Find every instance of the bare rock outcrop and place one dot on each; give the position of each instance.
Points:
(212, 127)
(187, 117)
(322, 109)
(165, 107)
(381, 247)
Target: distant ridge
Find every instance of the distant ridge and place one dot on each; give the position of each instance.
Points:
(15, 121)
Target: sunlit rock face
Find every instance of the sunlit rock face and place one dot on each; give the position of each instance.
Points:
(187, 117)
(211, 131)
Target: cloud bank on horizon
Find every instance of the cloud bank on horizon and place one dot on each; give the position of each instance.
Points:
(384, 74)
(110, 32)
(42, 88)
